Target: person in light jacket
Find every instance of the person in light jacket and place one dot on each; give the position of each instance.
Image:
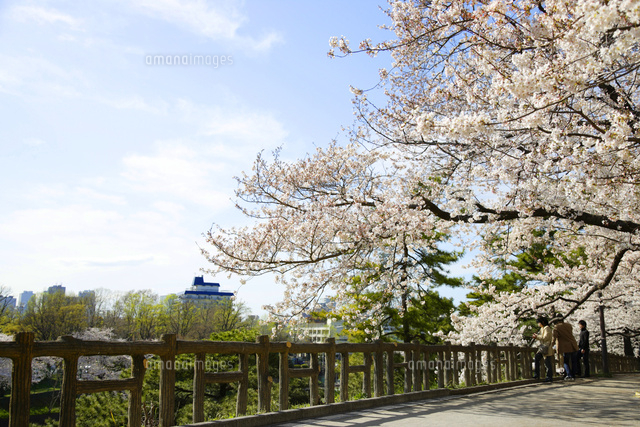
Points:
(545, 336)
(567, 347)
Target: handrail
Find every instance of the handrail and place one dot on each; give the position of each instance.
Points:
(451, 364)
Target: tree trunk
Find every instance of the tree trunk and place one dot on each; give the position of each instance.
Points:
(405, 318)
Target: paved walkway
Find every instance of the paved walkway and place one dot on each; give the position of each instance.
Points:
(584, 402)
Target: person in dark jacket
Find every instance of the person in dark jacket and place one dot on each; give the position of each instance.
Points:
(583, 349)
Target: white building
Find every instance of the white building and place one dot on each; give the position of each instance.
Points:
(319, 330)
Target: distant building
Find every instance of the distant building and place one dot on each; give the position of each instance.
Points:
(56, 289)
(23, 299)
(8, 301)
(86, 294)
(318, 330)
(204, 292)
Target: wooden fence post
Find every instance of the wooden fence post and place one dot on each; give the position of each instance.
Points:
(366, 376)
(491, 364)
(264, 386)
(314, 388)
(526, 366)
(21, 381)
(408, 379)
(69, 387)
(168, 381)
(198, 387)
(473, 364)
(427, 375)
(417, 366)
(479, 366)
(498, 364)
(135, 394)
(379, 370)
(454, 369)
(447, 364)
(468, 366)
(283, 382)
(243, 385)
(440, 365)
(330, 372)
(344, 377)
(390, 372)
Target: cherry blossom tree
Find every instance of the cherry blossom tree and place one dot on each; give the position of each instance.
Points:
(322, 220)
(513, 121)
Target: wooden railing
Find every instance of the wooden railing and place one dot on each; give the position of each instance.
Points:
(445, 365)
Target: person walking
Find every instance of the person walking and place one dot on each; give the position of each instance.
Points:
(583, 350)
(545, 349)
(567, 347)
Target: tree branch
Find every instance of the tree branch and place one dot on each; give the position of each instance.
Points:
(492, 215)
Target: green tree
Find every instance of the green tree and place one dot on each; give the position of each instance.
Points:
(181, 316)
(229, 314)
(95, 303)
(142, 315)
(517, 271)
(426, 315)
(104, 409)
(417, 312)
(50, 315)
(218, 316)
(8, 314)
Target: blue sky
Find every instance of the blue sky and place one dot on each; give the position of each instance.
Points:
(111, 169)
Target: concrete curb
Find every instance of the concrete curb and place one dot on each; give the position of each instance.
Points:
(354, 405)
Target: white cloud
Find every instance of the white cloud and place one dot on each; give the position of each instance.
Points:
(174, 209)
(217, 21)
(81, 235)
(44, 193)
(134, 102)
(43, 16)
(52, 194)
(37, 76)
(196, 15)
(92, 195)
(131, 262)
(176, 172)
(33, 142)
(250, 130)
(26, 75)
(247, 126)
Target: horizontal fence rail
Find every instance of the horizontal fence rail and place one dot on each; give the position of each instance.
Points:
(443, 365)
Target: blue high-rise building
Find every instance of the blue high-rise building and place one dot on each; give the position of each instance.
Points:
(204, 292)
